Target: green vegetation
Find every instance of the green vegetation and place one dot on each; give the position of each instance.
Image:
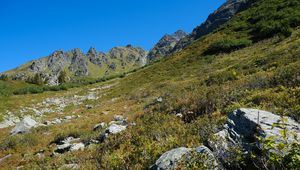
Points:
(142, 145)
(227, 46)
(275, 17)
(62, 78)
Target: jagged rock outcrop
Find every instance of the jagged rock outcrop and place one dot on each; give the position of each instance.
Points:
(77, 64)
(97, 58)
(244, 126)
(165, 45)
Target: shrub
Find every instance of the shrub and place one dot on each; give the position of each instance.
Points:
(222, 77)
(4, 77)
(29, 90)
(227, 46)
(12, 142)
(62, 78)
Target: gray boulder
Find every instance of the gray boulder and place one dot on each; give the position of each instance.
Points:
(244, 126)
(6, 123)
(114, 128)
(170, 159)
(24, 126)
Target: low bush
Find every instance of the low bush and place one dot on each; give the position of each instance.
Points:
(29, 90)
(227, 46)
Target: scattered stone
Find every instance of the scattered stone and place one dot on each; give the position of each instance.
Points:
(70, 166)
(89, 106)
(56, 121)
(68, 117)
(118, 118)
(159, 100)
(63, 148)
(99, 126)
(91, 96)
(114, 128)
(24, 126)
(153, 103)
(179, 115)
(77, 146)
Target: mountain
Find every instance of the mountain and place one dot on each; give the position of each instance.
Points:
(165, 45)
(76, 64)
(213, 22)
(229, 100)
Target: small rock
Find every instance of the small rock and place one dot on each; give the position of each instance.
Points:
(70, 166)
(179, 115)
(24, 126)
(77, 146)
(118, 118)
(114, 128)
(56, 121)
(91, 96)
(89, 106)
(99, 126)
(159, 100)
(68, 117)
(63, 148)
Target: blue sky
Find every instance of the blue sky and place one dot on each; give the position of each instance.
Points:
(32, 29)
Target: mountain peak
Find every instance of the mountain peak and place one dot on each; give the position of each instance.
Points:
(166, 44)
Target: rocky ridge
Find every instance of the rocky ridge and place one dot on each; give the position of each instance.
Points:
(165, 45)
(77, 64)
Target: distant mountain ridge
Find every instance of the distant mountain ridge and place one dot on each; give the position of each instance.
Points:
(77, 64)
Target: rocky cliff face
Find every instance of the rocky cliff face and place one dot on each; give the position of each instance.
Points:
(77, 64)
(170, 44)
(214, 21)
(165, 45)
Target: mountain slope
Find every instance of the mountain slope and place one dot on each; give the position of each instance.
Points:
(177, 102)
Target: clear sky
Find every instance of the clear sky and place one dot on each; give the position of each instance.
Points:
(31, 29)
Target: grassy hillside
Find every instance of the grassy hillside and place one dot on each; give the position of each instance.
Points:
(262, 74)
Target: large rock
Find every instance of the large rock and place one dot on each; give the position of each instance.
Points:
(244, 126)
(24, 126)
(170, 159)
